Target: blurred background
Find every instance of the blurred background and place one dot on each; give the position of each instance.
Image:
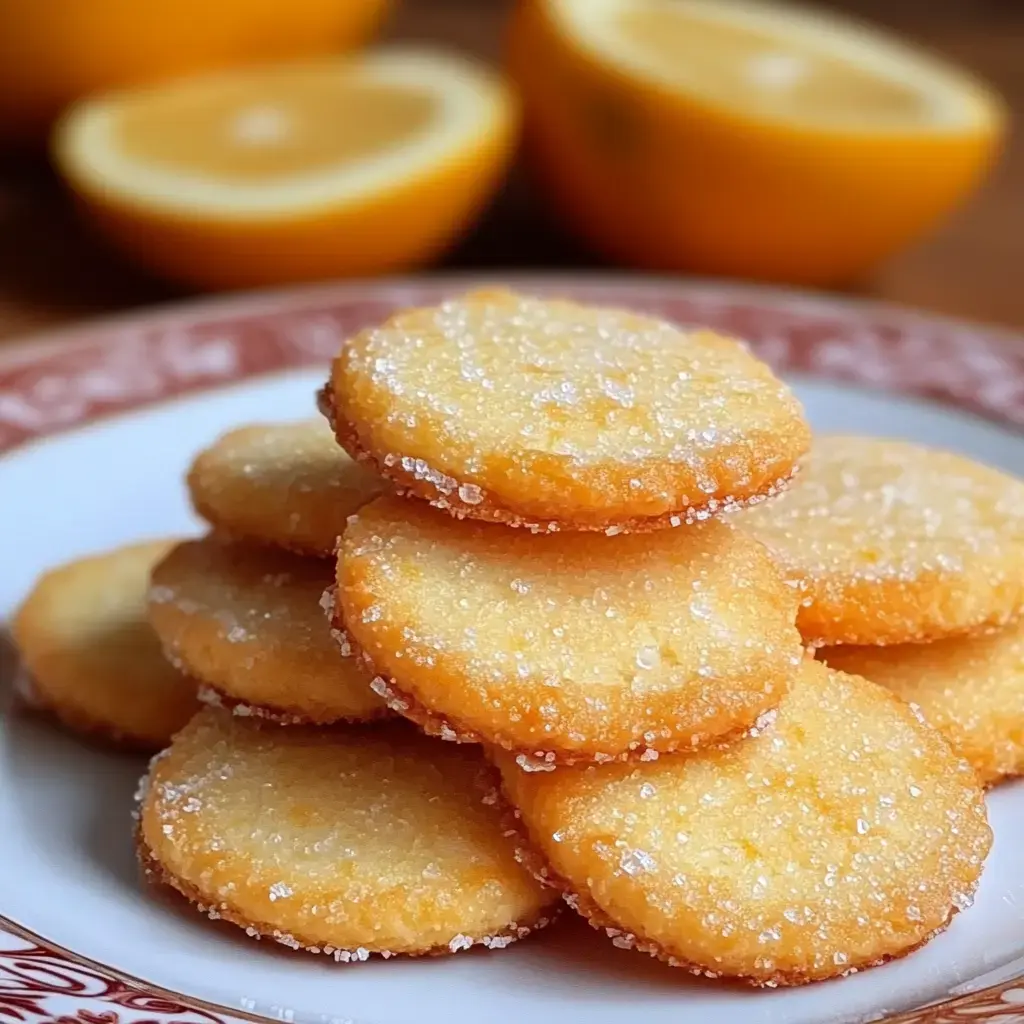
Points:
(54, 268)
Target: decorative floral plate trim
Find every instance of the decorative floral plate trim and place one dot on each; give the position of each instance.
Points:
(74, 378)
(42, 983)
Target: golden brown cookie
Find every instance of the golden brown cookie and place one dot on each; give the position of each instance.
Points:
(843, 834)
(93, 659)
(284, 484)
(971, 688)
(553, 415)
(248, 623)
(569, 646)
(896, 543)
(346, 842)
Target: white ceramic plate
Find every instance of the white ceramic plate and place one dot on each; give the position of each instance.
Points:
(84, 942)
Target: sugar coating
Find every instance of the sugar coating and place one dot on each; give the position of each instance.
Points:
(844, 834)
(284, 484)
(568, 646)
(215, 699)
(337, 841)
(969, 688)
(92, 657)
(247, 621)
(894, 542)
(555, 415)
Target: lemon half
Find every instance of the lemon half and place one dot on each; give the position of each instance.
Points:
(325, 168)
(744, 138)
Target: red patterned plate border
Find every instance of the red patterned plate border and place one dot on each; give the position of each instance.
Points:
(69, 379)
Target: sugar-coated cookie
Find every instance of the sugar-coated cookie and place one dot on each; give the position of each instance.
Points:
(553, 415)
(569, 646)
(247, 622)
(91, 656)
(284, 484)
(346, 842)
(845, 833)
(971, 688)
(897, 543)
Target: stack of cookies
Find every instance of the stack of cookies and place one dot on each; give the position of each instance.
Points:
(910, 561)
(569, 652)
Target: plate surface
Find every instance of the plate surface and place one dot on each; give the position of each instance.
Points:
(79, 938)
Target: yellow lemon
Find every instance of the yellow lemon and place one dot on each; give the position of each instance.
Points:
(339, 166)
(743, 138)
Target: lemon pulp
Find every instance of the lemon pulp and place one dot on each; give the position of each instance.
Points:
(262, 131)
(733, 60)
(777, 63)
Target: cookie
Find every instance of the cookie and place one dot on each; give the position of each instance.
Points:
(247, 622)
(345, 842)
(896, 543)
(843, 834)
(553, 415)
(288, 485)
(971, 688)
(570, 646)
(92, 658)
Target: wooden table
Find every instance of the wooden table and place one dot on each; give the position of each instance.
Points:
(52, 271)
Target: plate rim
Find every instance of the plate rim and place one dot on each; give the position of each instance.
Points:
(252, 301)
(20, 354)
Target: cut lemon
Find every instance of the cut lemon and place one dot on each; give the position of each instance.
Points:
(54, 51)
(336, 167)
(743, 138)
